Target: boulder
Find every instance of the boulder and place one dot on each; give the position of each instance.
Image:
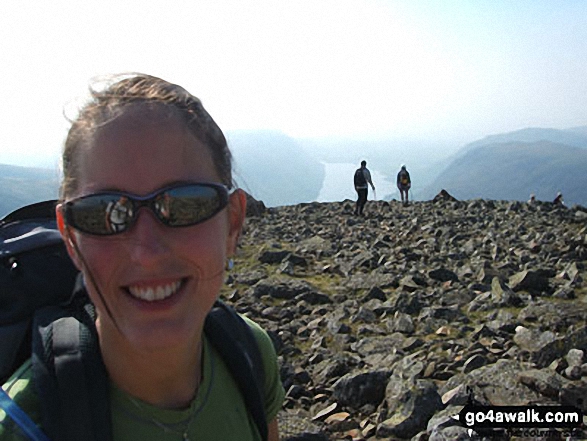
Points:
(357, 390)
(413, 412)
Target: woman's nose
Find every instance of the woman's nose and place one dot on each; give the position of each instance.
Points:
(147, 239)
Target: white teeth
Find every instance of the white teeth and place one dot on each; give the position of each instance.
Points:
(151, 294)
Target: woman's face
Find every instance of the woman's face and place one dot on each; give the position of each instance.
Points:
(139, 153)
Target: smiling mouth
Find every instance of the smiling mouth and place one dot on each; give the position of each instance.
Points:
(155, 293)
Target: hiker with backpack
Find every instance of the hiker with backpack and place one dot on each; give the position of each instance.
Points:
(404, 183)
(149, 215)
(361, 180)
(558, 200)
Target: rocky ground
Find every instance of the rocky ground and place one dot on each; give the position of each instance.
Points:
(387, 325)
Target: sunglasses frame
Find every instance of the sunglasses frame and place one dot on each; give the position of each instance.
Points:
(137, 202)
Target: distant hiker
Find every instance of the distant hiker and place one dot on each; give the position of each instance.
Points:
(558, 200)
(532, 199)
(362, 178)
(403, 184)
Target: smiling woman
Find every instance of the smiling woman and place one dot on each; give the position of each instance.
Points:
(147, 217)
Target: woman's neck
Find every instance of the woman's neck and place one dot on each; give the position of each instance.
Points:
(167, 378)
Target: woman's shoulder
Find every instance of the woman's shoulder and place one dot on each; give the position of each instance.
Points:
(19, 385)
(274, 392)
(20, 389)
(261, 336)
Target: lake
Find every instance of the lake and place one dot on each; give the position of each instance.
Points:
(338, 183)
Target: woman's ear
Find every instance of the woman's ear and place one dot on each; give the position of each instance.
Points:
(237, 208)
(68, 236)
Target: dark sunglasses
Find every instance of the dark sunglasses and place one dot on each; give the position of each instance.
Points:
(113, 212)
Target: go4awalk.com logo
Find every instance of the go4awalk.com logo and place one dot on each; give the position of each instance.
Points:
(483, 418)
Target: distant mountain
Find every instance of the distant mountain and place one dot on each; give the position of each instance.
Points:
(274, 167)
(579, 130)
(270, 165)
(24, 185)
(280, 170)
(576, 137)
(514, 170)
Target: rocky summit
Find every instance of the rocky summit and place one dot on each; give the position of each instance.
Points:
(386, 325)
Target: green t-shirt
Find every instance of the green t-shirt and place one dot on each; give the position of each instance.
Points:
(218, 412)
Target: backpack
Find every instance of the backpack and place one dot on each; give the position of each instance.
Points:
(44, 311)
(404, 178)
(360, 180)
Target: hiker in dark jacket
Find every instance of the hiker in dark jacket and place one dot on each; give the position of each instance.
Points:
(151, 218)
(362, 180)
(404, 183)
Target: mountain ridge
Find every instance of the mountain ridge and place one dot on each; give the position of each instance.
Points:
(281, 170)
(513, 171)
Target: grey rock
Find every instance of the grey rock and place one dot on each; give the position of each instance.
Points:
(555, 316)
(286, 268)
(415, 410)
(364, 315)
(295, 391)
(444, 418)
(495, 384)
(531, 281)
(357, 390)
(474, 362)
(544, 382)
(406, 303)
(452, 433)
(560, 346)
(401, 322)
(272, 257)
(412, 283)
(255, 208)
(281, 289)
(575, 357)
(411, 343)
(379, 345)
(375, 293)
(249, 277)
(332, 369)
(504, 321)
(487, 274)
(565, 293)
(297, 260)
(481, 302)
(314, 297)
(457, 297)
(502, 295)
(573, 372)
(532, 340)
(443, 275)
(448, 314)
(456, 397)
(307, 436)
(573, 394)
(410, 367)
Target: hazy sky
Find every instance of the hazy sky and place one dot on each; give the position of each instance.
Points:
(447, 70)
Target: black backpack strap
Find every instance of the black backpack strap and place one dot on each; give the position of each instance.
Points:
(35, 271)
(70, 377)
(73, 385)
(234, 340)
(38, 210)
